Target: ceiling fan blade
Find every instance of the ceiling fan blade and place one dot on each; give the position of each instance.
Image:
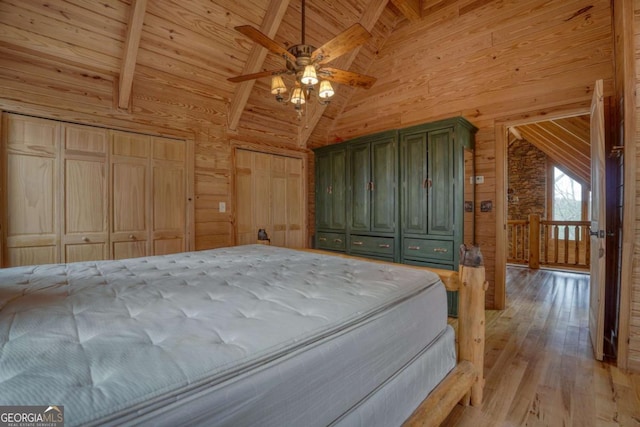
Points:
(349, 39)
(244, 78)
(265, 41)
(346, 77)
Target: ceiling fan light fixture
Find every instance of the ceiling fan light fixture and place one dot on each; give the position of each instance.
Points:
(297, 97)
(309, 78)
(326, 90)
(277, 85)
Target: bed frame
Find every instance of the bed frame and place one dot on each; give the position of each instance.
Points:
(464, 384)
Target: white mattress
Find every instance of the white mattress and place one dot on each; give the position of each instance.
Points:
(240, 336)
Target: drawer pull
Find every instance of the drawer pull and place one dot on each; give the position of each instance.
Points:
(337, 240)
(444, 250)
(414, 248)
(384, 245)
(132, 237)
(323, 239)
(85, 239)
(357, 243)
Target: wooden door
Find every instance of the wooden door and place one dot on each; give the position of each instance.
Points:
(32, 190)
(295, 203)
(278, 228)
(598, 223)
(169, 196)
(269, 195)
(245, 207)
(129, 195)
(414, 183)
(85, 225)
(360, 183)
(440, 183)
(383, 185)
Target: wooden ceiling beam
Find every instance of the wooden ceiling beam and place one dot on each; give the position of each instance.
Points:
(368, 21)
(270, 25)
(411, 9)
(132, 41)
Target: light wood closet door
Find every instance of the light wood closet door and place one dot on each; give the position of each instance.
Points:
(85, 225)
(269, 195)
(169, 196)
(129, 195)
(295, 203)
(31, 190)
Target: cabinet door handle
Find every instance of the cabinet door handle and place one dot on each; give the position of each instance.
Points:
(414, 248)
(322, 239)
(357, 243)
(132, 237)
(337, 241)
(384, 245)
(330, 189)
(85, 239)
(371, 185)
(444, 250)
(424, 183)
(429, 183)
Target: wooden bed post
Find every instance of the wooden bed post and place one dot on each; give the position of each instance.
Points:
(471, 317)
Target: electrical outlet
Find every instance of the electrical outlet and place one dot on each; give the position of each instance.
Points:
(480, 179)
(222, 207)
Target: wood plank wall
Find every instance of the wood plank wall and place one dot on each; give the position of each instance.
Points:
(491, 62)
(631, 245)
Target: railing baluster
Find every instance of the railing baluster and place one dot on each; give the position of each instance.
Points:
(577, 249)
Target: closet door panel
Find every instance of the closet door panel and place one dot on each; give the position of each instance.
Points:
(85, 226)
(169, 196)
(279, 220)
(31, 183)
(246, 231)
(294, 203)
(130, 195)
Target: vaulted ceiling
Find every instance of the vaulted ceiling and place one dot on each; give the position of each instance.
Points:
(191, 46)
(565, 141)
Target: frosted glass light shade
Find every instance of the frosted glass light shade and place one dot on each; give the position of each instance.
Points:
(277, 85)
(298, 96)
(326, 90)
(309, 77)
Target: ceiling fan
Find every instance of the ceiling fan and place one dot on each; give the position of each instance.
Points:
(308, 63)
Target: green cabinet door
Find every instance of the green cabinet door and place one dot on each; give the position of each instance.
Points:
(440, 216)
(337, 189)
(323, 196)
(414, 183)
(383, 185)
(360, 183)
(331, 189)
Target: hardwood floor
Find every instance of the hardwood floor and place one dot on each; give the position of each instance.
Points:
(539, 365)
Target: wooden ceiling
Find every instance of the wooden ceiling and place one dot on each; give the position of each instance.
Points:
(191, 47)
(565, 141)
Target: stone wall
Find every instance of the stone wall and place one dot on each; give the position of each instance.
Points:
(526, 181)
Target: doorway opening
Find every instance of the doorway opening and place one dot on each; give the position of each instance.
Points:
(567, 160)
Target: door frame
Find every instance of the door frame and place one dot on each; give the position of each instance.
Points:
(501, 130)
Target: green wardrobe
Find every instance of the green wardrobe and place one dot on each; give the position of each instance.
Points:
(404, 195)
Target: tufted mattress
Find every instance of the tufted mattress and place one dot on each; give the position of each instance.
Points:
(250, 335)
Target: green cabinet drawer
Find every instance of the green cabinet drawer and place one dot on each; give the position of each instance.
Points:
(431, 249)
(372, 245)
(331, 241)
